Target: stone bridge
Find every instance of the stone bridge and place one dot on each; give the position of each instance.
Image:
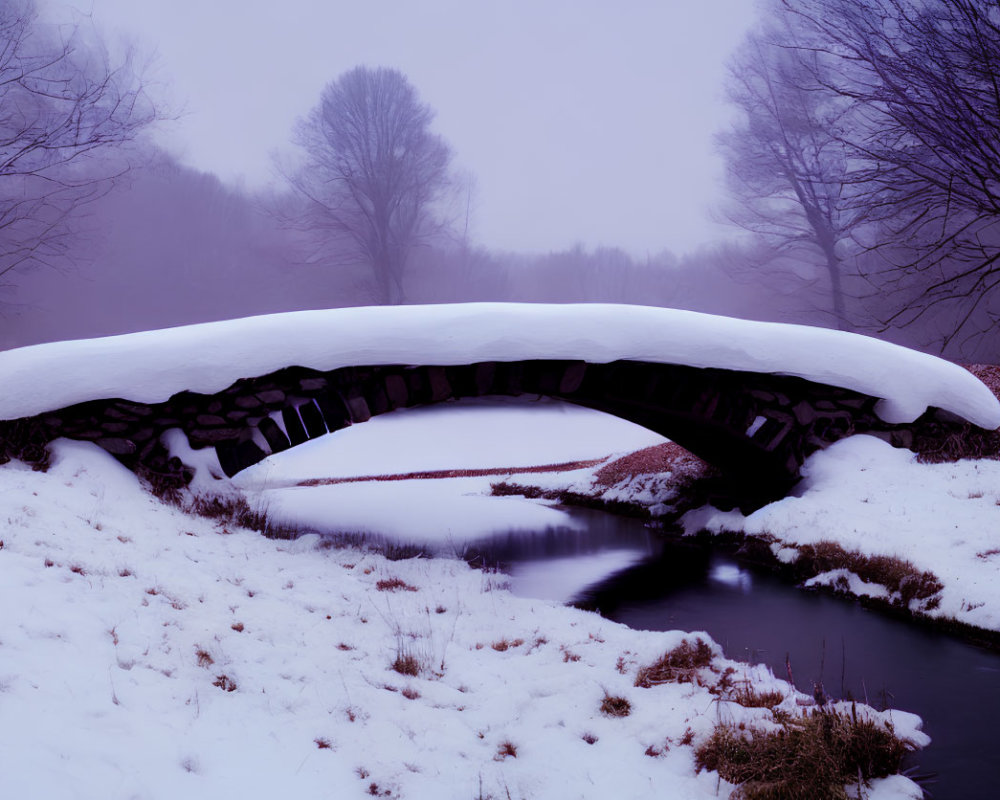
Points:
(756, 426)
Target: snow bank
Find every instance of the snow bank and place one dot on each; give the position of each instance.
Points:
(152, 365)
(153, 655)
(880, 501)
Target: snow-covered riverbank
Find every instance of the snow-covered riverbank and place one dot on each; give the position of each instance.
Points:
(860, 501)
(148, 653)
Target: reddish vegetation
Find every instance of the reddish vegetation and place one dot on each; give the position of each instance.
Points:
(454, 473)
(394, 584)
(962, 440)
(988, 374)
(667, 457)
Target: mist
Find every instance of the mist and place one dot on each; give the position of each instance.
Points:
(164, 242)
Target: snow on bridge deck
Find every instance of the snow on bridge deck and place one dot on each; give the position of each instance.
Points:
(151, 366)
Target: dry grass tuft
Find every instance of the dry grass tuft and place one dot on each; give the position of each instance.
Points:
(406, 664)
(507, 749)
(680, 665)
(204, 658)
(235, 511)
(394, 585)
(225, 683)
(505, 644)
(813, 756)
(614, 706)
(749, 697)
(897, 575)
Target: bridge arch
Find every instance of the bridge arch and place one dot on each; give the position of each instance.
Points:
(757, 428)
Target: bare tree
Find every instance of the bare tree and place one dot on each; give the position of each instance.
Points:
(64, 108)
(924, 78)
(786, 166)
(373, 172)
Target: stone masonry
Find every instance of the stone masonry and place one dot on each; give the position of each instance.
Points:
(756, 427)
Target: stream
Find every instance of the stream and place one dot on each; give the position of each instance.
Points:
(620, 568)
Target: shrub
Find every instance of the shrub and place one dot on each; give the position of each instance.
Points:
(813, 756)
(679, 665)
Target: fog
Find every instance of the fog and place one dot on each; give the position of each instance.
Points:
(570, 200)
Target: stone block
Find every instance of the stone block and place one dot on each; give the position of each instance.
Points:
(271, 397)
(417, 387)
(293, 426)
(572, 378)
(376, 397)
(205, 437)
(247, 401)
(334, 411)
(312, 420)
(273, 435)
(313, 385)
(439, 388)
(210, 420)
(117, 446)
(357, 408)
(396, 391)
(483, 376)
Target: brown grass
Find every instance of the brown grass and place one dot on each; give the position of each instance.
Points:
(668, 457)
(812, 756)
(504, 644)
(680, 665)
(507, 749)
(613, 706)
(225, 683)
(394, 585)
(406, 664)
(235, 511)
(895, 574)
(749, 697)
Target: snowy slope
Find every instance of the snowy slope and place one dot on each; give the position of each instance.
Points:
(150, 366)
(148, 654)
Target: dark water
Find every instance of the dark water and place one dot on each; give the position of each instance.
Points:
(855, 652)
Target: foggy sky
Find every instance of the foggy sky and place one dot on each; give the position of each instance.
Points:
(582, 121)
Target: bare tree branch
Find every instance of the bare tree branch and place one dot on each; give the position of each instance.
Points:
(63, 109)
(924, 79)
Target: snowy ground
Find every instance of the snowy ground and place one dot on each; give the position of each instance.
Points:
(869, 498)
(872, 498)
(145, 653)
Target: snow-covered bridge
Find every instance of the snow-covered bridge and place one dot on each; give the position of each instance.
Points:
(752, 398)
